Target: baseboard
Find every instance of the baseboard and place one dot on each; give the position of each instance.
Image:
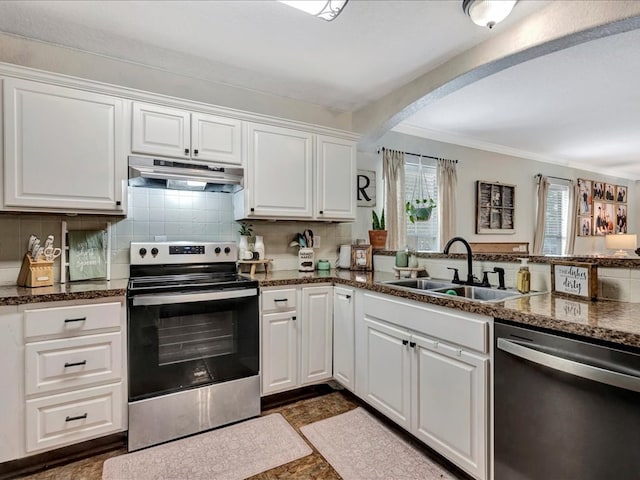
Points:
(61, 456)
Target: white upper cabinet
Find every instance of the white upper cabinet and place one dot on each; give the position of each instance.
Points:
(64, 149)
(335, 178)
(290, 179)
(279, 172)
(171, 132)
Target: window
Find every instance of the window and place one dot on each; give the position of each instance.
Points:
(556, 228)
(423, 236)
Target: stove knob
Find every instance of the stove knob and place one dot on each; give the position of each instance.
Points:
(154, 251)
(227, 250)
(142, 252)
(217, 250)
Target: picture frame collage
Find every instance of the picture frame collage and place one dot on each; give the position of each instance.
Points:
(602, 209)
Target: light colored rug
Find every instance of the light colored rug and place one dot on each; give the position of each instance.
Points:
(360, 447)
(229, 453)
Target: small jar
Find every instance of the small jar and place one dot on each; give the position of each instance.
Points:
(323, 265)
(402, 259)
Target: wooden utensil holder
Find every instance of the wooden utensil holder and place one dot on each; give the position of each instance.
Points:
(35, 274)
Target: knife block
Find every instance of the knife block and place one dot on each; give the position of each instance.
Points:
(35, 274)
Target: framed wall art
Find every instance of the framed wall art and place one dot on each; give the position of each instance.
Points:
(361, 257)
(495, 207)
(602, 208)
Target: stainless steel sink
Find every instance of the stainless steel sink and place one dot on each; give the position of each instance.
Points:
(420, 283)
(481, 294)
(442, 288)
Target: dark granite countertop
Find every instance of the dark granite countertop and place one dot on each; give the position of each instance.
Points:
(13, 295)
(616, 322)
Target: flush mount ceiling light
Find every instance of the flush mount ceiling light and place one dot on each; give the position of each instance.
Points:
(487, 13)
(324, 9)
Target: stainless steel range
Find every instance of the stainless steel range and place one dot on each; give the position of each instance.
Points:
(193, 341)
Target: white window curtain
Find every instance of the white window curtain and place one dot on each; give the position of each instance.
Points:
(447, 181)
(393, 177)
(538, 238)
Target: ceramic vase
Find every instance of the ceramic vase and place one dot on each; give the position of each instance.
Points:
(243, 247)
(259, 247)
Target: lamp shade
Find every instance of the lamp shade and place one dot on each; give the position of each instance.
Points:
(621, 242)
(486, 13)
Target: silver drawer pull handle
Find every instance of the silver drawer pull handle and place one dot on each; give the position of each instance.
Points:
(79, 417)
(75, 364)
(71, 320)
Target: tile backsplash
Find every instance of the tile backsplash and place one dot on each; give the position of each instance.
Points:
(171, 214)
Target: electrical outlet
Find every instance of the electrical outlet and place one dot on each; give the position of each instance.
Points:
(316, 241)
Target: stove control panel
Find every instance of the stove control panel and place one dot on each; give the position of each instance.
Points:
(159, 253)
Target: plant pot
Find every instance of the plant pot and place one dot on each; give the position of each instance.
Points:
(419, 214)
(378, 239)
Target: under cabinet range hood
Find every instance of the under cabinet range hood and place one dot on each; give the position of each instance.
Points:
(179, 175)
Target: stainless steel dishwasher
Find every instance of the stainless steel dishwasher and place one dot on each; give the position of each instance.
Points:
(565, 409)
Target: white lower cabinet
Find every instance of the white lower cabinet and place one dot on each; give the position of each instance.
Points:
(450, 401)
(344, 300)
(316, 321)
(296, 329)
(66, 366)
(436, 387)
(279, 351)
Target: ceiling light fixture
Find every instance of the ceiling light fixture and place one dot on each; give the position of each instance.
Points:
(486, 13)
(324, 9)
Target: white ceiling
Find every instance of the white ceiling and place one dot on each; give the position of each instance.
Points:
(570, 107)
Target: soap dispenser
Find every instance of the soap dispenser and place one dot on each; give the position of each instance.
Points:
(524, 276)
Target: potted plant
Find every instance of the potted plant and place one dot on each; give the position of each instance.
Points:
(378, 234)
(420, 209)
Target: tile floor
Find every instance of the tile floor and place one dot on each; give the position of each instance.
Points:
(298, 413)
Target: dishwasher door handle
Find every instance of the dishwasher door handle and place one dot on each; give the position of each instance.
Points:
(596, 374)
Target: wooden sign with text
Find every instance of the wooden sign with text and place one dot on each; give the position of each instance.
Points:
(575, 279)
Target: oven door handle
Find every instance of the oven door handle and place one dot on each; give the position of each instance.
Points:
(590, 372)
(162, 299)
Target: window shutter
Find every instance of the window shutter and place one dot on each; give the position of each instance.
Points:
(557, 215)
(422, 235)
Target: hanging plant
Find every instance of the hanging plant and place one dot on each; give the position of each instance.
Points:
(420, 209)
(421, 205)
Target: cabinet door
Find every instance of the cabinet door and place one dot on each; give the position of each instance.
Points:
(387, 380)
(317, 334)
(279, 369)
(158, 130)
(63, 150)
(343, 337)
(335, 179)
(279, 172)
(216, 139)
(451, 403)
(11, 376)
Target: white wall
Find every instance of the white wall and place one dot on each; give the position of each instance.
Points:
(28, 53)
(481, 165)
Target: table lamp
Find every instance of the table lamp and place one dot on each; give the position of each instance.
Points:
(621, 242)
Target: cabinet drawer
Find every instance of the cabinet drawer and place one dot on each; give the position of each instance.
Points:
(59, 420)
(72, 320)
(279, 300)
(72, 362)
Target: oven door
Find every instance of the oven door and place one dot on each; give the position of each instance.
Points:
(183, 340)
